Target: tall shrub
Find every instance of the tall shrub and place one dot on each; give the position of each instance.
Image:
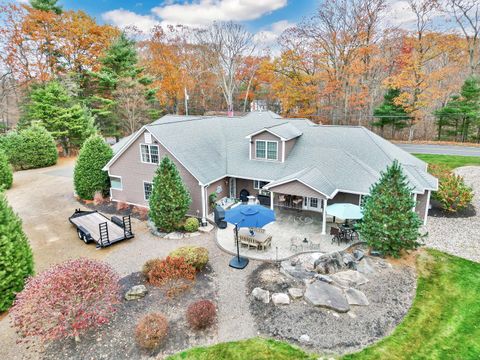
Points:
(6, 176)
(66, 300)
(31, 148)
(170, 199)
(389, 223)
(16, 259)
(88, 176)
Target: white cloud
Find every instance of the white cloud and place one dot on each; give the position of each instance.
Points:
(399, 13)
(203, 12)
(268, 36)
(125, 18)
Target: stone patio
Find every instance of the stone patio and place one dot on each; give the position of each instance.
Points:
(288, 224)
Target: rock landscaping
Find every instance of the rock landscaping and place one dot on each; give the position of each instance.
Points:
(331, 303)
(116, 340)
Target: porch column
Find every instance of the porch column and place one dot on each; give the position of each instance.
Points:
(271, 199)
(324, 219)
(427, 206)
(204, 213)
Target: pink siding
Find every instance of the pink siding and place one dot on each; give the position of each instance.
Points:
(133, 173)
(421, 206)
(342, 197)
(289, 146)
(266, 136)
(297, 188)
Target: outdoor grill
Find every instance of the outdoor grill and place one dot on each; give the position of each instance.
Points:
(219, 217)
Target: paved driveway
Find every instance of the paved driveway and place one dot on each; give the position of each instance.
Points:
(441, 149)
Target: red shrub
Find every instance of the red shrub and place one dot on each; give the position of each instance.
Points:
(66, 300)
(169, 269)
(122, 206)
(98, 198)
(151, 330)
(141, 212)
(201, 314)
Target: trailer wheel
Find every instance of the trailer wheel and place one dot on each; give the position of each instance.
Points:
(83, 237)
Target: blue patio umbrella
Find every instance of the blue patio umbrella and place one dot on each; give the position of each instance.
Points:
(247, 216)
(345, 211)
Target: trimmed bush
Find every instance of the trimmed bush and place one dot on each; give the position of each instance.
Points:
(149, 265)
(193, 255)
(201, 314)
(453, 194)
(31, 148)
(170, 199)
(66, 300)
(151, 331)
(16, 259)
(6, 175)
(88, 176)
(389, 224)
(160, 272)
(191, 224)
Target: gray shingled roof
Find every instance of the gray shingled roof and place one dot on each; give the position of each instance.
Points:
(327, 158)
(286, 131)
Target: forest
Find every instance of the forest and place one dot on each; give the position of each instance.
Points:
(345, 64)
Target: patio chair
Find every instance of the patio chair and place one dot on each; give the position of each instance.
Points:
(295, 243)
(335, 232)
(315, 243)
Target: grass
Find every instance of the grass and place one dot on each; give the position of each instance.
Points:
(251, 349)
(450, 161)
(443, 322)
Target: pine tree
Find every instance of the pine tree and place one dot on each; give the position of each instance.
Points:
(67, 120)
(47, 5)
(119, 70)
(88, 176)
(389, 224)
(170, 199)
(390, 114)
(16, 260)
(6, 176)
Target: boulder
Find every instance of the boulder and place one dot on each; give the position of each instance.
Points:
(325, 295)
(136, 292)
(261, 295)
(280, 299)
(297, 271)
(329, 263)
(349, 278)
(324, 278)
(304, 339)
(358, 254)
(356, 297)
(365, 266)
(295, 293)
(349, 261)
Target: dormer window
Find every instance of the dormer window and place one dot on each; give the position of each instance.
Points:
(267, 150)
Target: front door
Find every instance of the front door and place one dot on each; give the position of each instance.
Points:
(311, 203)
(233, 187)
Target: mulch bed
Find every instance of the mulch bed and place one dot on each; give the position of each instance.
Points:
(436, 211)
(116, 339)
(110, 207)
(390, 293)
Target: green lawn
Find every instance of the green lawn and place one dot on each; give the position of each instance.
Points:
(443, 323)
(252, 349)
(451, 161)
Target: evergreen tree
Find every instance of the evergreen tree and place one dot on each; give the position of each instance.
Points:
(88, 176)
(16, 260)
(6, 176)
(462, 112)
(389, 224)
(170, 199)
(67, 120)
(390, 114)
(119, 68)
(47, 5)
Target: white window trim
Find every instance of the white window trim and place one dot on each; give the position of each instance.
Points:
(150, 154)
(258, 181)
(121, 182)
(144, 195)
(266, 150)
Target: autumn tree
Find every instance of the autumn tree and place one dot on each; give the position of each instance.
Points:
(226, 45)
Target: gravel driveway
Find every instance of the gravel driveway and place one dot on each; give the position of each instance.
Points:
(459, 236)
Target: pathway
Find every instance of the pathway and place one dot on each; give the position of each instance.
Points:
(440, 149)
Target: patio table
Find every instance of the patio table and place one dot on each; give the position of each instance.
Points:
(259, 239)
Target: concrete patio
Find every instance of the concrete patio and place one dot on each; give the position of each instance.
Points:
(289, 224)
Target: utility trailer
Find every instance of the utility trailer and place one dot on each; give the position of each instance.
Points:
(94, 226)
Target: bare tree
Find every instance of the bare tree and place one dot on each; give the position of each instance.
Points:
(227, 45)
(467, 16)
(132, 106)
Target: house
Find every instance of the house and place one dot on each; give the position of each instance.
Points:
(291, 163)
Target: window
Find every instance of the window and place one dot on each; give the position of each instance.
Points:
(266, 150)
(116, 182)
(258, 184)
(314, 202)
(147, 189)
(149, 153)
